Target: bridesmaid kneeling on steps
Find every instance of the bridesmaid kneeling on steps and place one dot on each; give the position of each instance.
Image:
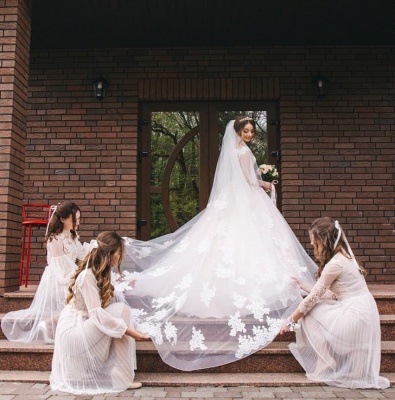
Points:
(95, 340)
(339, 340)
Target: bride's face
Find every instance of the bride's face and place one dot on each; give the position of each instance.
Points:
(247, 133)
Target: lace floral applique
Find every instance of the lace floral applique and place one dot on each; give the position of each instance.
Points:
(197, 340)
(165, 244)
(282, 245)
(120, 285)
(162, 314)
(207, 293)
(236, 324)
(144, 252)
(79, 303)
(228, 255)
(220, 204)
(240, 281)
(239, 301)
(261, 336)
(170, 332)
(258, 309)
(161, 301)
(184, 244)
(137, 312)
(69, 245)
(160, 271)
(223, 272)
(151, 329)
(316, 294)
(185, 282)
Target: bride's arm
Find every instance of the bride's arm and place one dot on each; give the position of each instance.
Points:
(249, 173)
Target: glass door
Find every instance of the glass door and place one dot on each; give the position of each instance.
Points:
(179, 149)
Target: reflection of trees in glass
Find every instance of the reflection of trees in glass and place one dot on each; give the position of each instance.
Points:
(168, 128)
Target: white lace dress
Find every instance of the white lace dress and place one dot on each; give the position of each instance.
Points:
(339, 341)
(216, 290)
(38, 322)
(92, 355)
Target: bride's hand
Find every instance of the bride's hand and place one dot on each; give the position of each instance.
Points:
(267, 186)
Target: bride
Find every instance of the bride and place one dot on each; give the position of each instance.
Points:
(217, 289)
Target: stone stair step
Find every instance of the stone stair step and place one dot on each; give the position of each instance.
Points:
(384, 295)
(387, 330)
(183, 379)
(275, 358)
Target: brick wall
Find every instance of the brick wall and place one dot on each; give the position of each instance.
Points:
(14, 71)
(337, 152)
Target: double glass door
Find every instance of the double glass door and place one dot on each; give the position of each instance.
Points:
(179, 146)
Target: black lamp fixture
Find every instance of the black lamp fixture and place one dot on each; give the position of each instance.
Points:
(320, 85)
(99, 88)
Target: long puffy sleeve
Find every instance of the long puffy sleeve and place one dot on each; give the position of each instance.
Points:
(321, 289)
(55, 248)
(103, 320)
(249, 167)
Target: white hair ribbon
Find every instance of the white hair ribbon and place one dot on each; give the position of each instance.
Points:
(339, 233)
(52, 211)
(337, 226)
(92, 245)
(273, 194)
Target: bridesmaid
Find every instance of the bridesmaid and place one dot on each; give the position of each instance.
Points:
(38, 322)
(339, 340)
(95, 339)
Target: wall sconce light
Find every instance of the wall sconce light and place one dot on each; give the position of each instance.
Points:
(99, 88)
(320, 86)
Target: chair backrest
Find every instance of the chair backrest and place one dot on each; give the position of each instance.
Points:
(36, 213)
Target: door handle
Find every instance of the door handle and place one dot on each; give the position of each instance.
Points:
(276, 154)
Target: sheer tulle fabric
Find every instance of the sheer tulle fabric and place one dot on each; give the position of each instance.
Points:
(92, 355)
(339, 342)
(38, 322)
(216, 290)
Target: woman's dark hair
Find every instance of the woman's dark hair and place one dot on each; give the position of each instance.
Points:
(241, 121)
(324, 233)
(100, 262)
(63, 210)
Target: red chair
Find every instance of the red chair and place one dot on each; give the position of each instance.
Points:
(32, 215)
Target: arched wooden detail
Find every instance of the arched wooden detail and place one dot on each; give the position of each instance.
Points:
(167, 173)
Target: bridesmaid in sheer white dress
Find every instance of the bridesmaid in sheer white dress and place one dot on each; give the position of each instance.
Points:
(339, 340)
(95, 340)
(38, 322)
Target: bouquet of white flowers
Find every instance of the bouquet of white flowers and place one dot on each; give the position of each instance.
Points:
(269, 173)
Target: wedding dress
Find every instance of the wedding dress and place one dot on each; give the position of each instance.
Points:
(38, 322)
(216, 290)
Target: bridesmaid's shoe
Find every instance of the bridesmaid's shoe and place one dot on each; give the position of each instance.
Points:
(135, 385)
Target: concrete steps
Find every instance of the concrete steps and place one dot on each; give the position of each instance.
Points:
(183, 379)
(271, 366)
(275, 358)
